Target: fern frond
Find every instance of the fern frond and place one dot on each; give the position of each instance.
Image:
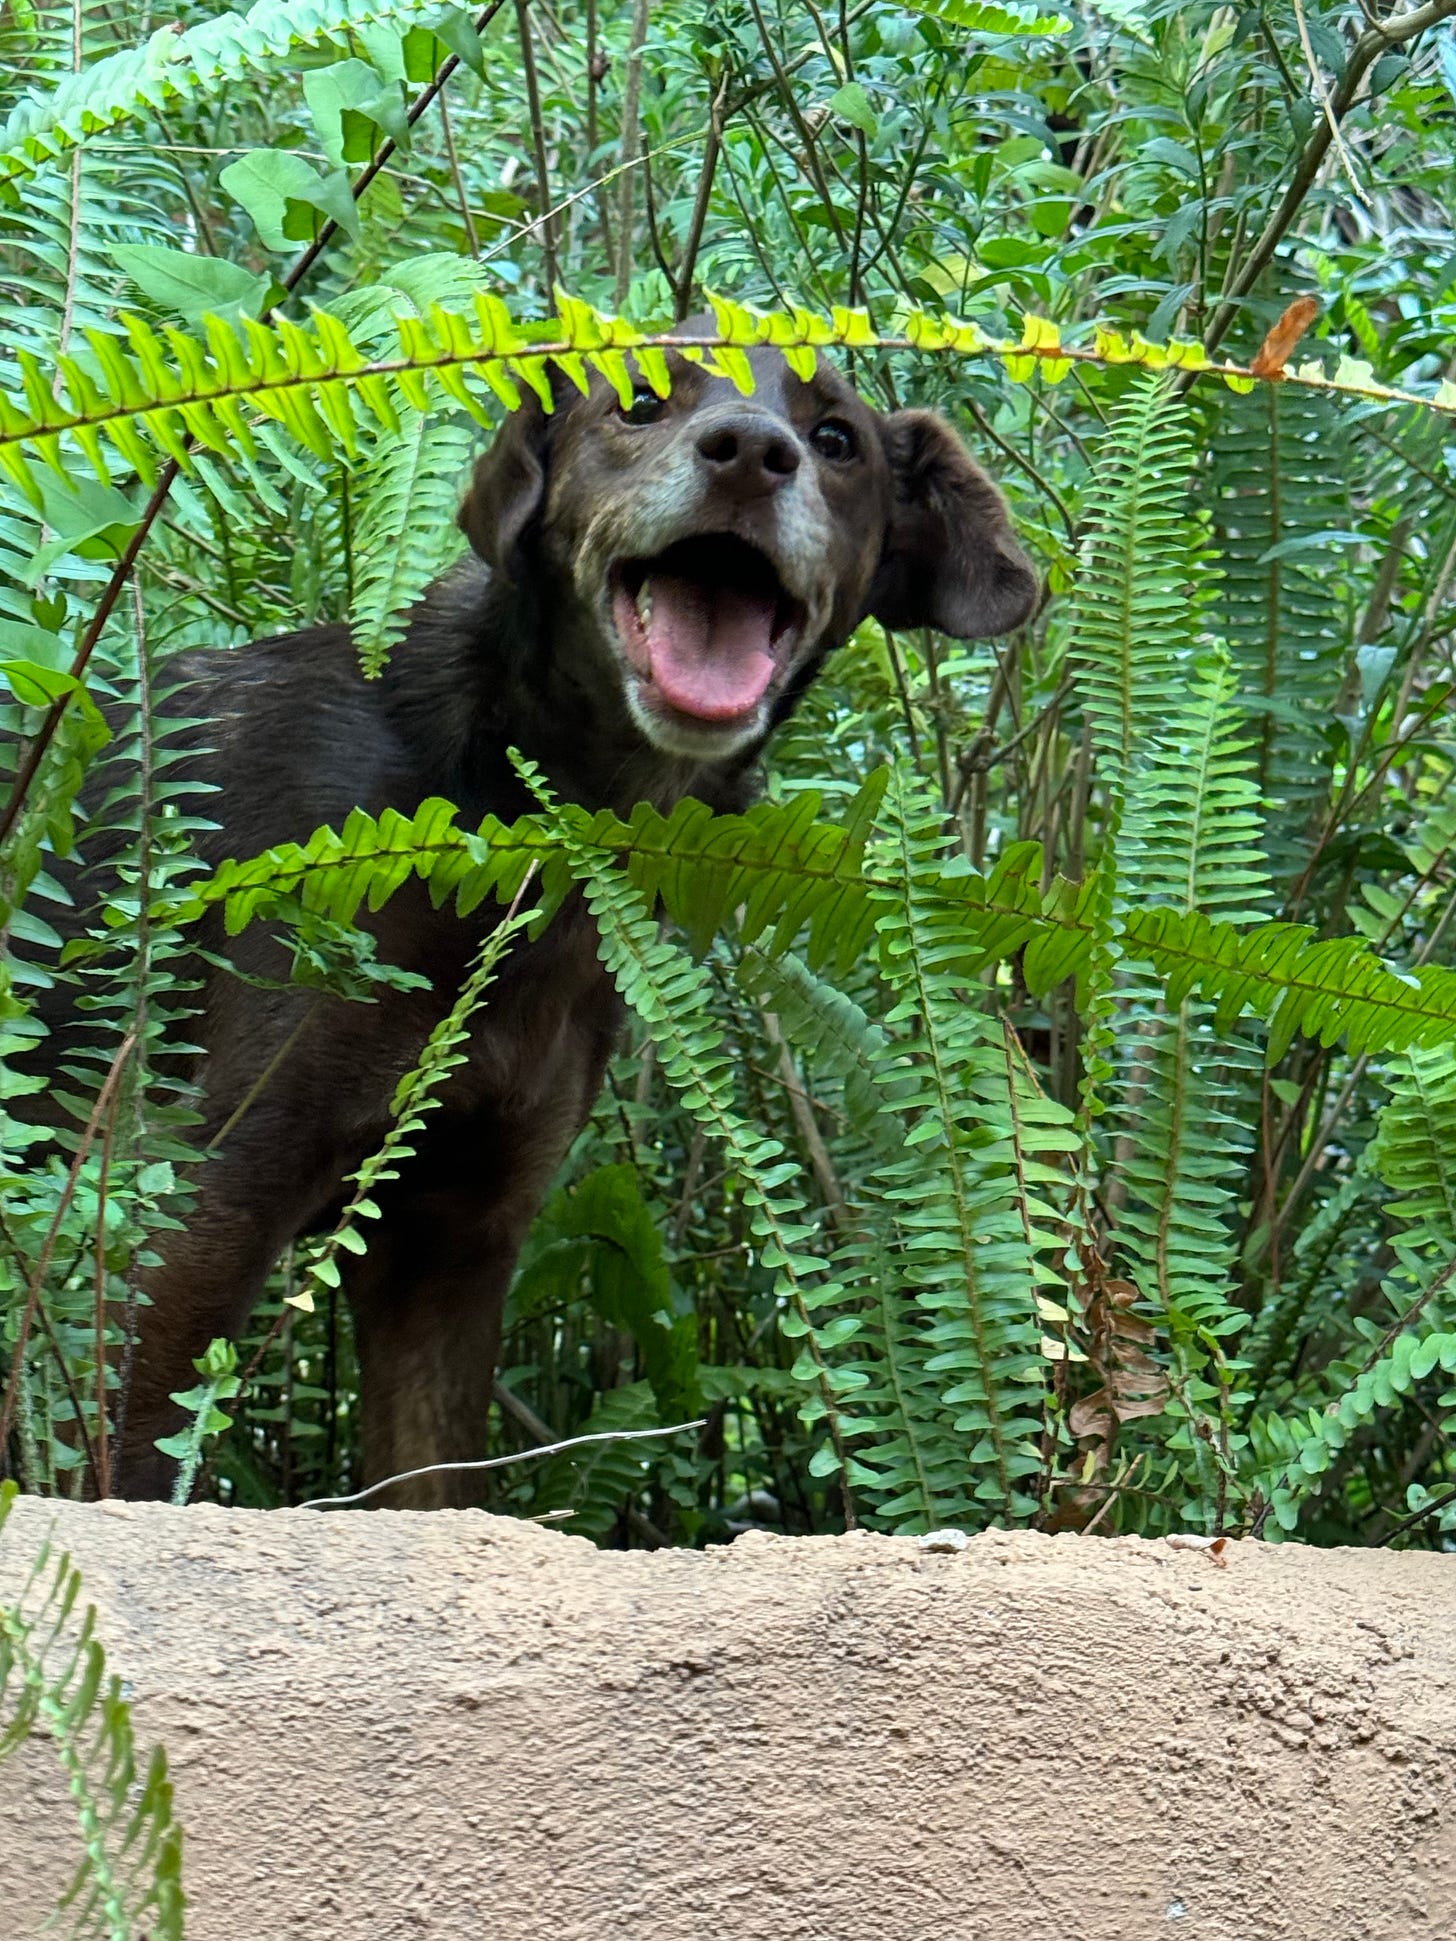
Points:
(1191, 833)
(962, 1390)
(1294, 1451)
(672, 996)
(54, 1683)
(406, 533)
(1414, 1152)
(794, 875)
(1280, 475)
(1132, 625)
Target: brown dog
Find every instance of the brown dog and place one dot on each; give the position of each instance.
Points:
(653, 590)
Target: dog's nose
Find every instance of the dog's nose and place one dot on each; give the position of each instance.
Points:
(748, 454)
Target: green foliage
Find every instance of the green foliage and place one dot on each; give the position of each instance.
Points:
(1039, 1107)
(777, 866)
(604, 1230)
(220, 1383)
(54, 1686)
(406, 527)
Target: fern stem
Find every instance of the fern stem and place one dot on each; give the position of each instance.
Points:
(37, 1278)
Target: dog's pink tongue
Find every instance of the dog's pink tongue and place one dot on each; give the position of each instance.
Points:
(710, 649)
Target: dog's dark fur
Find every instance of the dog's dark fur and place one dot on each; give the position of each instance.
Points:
(516, 648)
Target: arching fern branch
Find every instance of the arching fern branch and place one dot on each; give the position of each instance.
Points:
(1183, 831)
(1413, 1153)
(795, 876)
(963, 1391)
(673, 997)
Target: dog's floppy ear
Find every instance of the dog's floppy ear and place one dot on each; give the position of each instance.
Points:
(950, 559)
(507, 488)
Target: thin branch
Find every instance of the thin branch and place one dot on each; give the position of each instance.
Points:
(32, 1292)
(682, 296)
(1346, 163)
(538, 142)
(802, 1108)
(630, 145)
(103, 1447)
(812, 159)
(597, 64)
(498, 1462)
(1433, 1508)
(649, 209)
(471, 237)
(1374, 42)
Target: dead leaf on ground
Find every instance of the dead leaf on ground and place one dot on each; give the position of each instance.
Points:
(1188, 1540)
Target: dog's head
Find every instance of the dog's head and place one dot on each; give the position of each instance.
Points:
(719, 546)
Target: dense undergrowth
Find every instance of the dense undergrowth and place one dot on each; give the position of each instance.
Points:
(1043, 1107)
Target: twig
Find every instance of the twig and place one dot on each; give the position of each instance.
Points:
(538, 142)
(103, 1447)
(1024, 464)
(905, 708)
(654, 237)
(631, 133)
(499, 1462)
(812, 159)
(597, 64)
(802, 1108)
(682, 296)
(264, 1078)
(69, 1383)
(1324, 98)
(471, 237)
(1436, 1504)
(419, 106)
(120, 573)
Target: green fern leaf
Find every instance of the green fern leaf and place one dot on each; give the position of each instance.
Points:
(54, 1682)
(406, 533)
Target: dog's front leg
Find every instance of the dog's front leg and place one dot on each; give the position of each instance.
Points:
(210, 1277)
(427, 1301)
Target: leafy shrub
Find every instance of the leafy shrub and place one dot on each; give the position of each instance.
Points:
(1037, 1110)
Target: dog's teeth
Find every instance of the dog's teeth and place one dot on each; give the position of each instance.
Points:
(644, 604)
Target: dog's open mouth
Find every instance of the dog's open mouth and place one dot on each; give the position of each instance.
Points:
(708, 624)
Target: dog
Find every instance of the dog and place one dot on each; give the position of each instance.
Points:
(649, 591)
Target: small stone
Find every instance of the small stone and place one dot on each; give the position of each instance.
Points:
(944, 1540)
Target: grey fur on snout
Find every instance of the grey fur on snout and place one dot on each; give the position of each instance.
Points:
(640, 517)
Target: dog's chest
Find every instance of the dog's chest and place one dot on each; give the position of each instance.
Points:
(539, 1043)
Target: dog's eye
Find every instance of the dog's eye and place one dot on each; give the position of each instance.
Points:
(833, 439)
(646, 407)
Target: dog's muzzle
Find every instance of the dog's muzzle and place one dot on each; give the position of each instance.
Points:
(706, 626)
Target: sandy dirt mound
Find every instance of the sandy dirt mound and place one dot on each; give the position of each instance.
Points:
(387, 1726)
